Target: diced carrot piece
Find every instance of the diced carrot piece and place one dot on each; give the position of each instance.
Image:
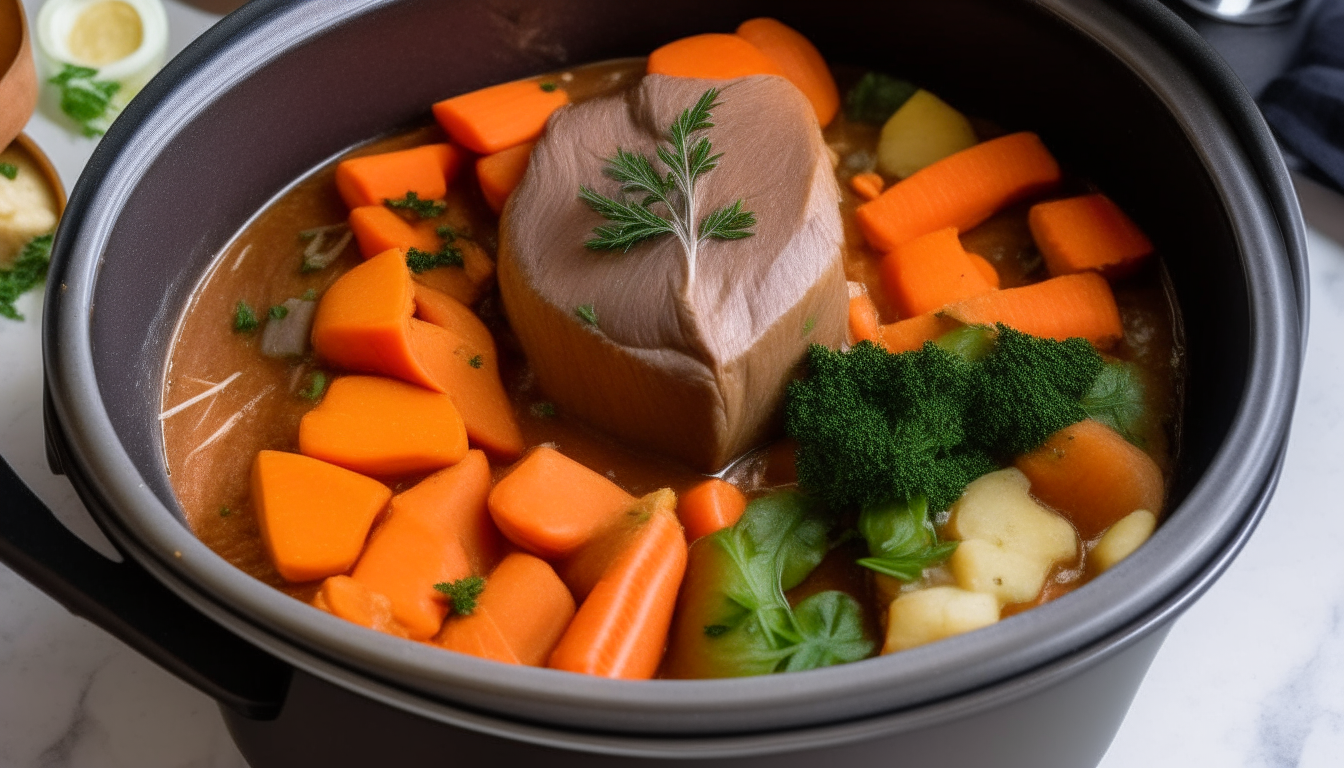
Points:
(452, 314)
(1093, 476)
(961, 190)
(437, 531)
(362, 323)
(1058, 308)
(466, 283)
(371, 179)
(313, 516)
(384, 427)
(620, 630)
(863, 325)
(1088, 232)
(985, 268)
(499, 174)
(551, 505)
(710, 506)
(799, 60)
(930, 272)
(711, 56)
(867, 185)
(910, 334)
(519, 617)
(379, 229)
(344, 597)
(501, 116)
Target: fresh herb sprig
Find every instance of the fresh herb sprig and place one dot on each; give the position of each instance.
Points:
(424, 209)
(28, 272)
(244, 318)
(86, 100)
(422, 261)
(688, 156)
(463, 593)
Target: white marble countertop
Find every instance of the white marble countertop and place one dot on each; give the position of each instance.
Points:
(1252, 675)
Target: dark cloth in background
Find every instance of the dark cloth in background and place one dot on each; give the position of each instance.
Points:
(1305, 105)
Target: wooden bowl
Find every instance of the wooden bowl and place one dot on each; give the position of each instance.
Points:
(18, 72)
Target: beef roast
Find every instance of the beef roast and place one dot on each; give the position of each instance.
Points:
(698, 370)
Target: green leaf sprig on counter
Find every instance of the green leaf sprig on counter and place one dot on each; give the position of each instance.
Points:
(86, 99)
(28, 271)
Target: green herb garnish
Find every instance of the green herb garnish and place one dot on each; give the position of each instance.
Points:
(687, 158)
(9, 171)
(422, 261)
(809, 325)
(425, 209)
(587, 313)
(86, 100)
(317, 386)
(548, 87)
(278, 312)
(876, 97)
(901, 539)
(463, 593)
(447, 233)
(476, 361)
(1116, 399)
(543, 410)
(244, 318)
(28, 272)
(309, 295)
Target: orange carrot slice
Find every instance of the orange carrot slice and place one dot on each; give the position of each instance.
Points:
(344, 597)
(313, 516)
(519, 616)
(1093, 476)
(371, 179)
(711, 57)
(1088, 232)
(863, 325)
(437, 531)
(499, 174)
(1058, 308)
(910, 334)
(551, 505)
(960, 190)
(501, 116)
(362, 323)
(930, 272)
(867, 185)
(799, 60)
(384, 427)
(985, 268)
(620, 630)
(379, 229)
(466, 283)
(710, 506)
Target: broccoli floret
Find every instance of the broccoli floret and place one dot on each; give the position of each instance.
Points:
(873, 427)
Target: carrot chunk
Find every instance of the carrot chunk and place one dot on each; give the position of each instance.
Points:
(519, 616)
(551, 505)
(799, 60)
(863, 325)
(985, 268)
(1088, 232)
(371, 179)
(344, 597)
(501, 116)
(961, 190)
(620, 630)
(499, 174)
(711, 56)
(930, 272)
(378, 229)
(384, 427)
(466, 283)
(911, 333)
(709, 506)
(362, 323)
(1058, 308)
(437, 531)
(867, 185)
(313, 516)
(1093, 476)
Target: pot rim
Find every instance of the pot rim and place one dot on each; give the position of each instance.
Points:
(1195, 535)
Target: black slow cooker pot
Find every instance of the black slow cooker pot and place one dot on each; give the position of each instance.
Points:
(1122, 92)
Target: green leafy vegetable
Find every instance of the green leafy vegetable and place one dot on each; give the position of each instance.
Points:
(587, 313)
(86, 100)
(317, 386)
(876, 97)
(9, 171)
(278, 312)
(875, 427)
(424, 209)
(422, 261)
(969, 342)
(1116, 399)
(476, 361)
(28, 272)
(687, 158)
(244, 318)
(463, 593)
(901, 539)
(830, 631)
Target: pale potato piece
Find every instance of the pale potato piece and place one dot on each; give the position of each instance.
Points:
(1009, 542)
(916, 618)
(1120, 541)
(922, 132)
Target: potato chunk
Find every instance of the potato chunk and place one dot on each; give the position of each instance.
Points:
(916, 618)
(1009, 543)
(1127, 535)
(922, 132)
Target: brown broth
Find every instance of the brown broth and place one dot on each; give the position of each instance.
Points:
(210, 445)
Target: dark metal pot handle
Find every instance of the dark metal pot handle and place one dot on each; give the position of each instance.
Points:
(124, 599)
